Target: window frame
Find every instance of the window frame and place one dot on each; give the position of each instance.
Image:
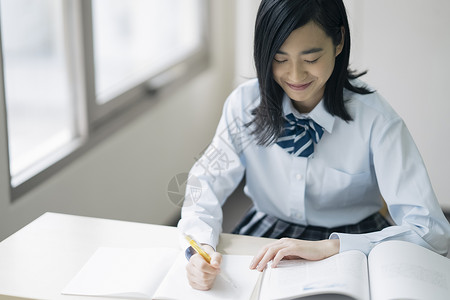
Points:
(95, 122)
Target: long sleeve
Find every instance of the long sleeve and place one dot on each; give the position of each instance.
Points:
(214, 177)
(404, 184)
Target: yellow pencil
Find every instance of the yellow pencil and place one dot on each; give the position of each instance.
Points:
(198, 249)
(206, 256)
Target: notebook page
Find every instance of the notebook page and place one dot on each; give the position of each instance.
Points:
(123, 272)
(176, 285)
(344, 273)
(403, 270)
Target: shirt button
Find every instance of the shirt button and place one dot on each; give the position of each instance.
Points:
(299, 177)
(299, 215)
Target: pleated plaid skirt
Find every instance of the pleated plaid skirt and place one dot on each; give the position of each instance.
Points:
(260, 224)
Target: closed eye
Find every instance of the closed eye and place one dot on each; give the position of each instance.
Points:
(280, 61)
(312, 61)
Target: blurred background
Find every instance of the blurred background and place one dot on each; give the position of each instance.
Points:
(106, 104)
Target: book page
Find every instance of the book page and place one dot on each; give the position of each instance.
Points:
(344, 273)
(236, 267)
(402, 270)
(123, 272)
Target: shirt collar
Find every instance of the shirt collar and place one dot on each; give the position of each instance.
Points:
(319, 114)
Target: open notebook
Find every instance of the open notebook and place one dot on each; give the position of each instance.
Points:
(393, 270)
(157, 273)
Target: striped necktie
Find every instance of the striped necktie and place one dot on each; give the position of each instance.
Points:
(298, 136)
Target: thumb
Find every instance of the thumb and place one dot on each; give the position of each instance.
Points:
(216, 259)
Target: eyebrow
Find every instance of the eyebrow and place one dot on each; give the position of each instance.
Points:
(308, 51)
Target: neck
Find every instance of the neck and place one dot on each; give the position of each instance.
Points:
(304, 108)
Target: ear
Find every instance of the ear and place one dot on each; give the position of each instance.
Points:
(340, 46)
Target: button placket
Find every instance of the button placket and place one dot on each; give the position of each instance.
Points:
(297, 195)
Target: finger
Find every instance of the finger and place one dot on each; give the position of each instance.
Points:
(282, 253)
(199, 287)
(274, 251)
(199, 276)
(268, 256)
(216, 260)
(257, 258)
(310, 250)
(216, 257)
(198, 279)
(199, 284)
(199, 263)
(208, 248)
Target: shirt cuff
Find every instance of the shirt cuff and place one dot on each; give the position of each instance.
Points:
(349, 241)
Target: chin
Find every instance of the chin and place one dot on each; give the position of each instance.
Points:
(296, 98)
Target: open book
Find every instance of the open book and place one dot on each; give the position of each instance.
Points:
(393, 270)
(157, 273)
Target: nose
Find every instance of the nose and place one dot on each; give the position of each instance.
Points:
(297, 73)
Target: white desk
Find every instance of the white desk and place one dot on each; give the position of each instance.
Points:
(39, 260)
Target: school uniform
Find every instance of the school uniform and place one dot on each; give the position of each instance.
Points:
(336, 192)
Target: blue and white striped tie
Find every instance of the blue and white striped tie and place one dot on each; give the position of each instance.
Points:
(298, 136)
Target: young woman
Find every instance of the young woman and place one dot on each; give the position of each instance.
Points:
(319, 149)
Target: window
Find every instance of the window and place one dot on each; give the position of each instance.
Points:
(37, 91)
(71, 67)
(129, 45)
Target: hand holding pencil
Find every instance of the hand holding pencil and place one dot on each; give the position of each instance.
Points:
(204, 266)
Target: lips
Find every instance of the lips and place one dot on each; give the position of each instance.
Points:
(299, 87)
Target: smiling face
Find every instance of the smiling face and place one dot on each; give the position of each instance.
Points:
(303, 65)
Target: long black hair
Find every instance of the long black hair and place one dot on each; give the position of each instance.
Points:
(275, 21)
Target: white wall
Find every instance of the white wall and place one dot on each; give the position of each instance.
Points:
(245, 23)
(405, 45)
(126, 176)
